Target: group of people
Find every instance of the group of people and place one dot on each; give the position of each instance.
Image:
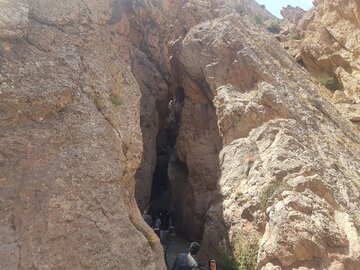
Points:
(187, 261)
(162, 222)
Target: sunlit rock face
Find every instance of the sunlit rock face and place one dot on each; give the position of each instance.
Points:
(13, 18)
(258, 152)
(70, 140)
(292, 14)
(279, 175)
(325, 41)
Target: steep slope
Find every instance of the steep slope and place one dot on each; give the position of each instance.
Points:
(326, 43)
(70, 141)
(95, 94)
(279, 177)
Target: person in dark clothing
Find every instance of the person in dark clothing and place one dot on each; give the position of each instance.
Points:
(186, 261)
(157, 225)
(148, 219)
(172, 215)
(166, 220)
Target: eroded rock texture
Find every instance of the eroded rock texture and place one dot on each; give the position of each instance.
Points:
(325, 41)
(254, 151)
(292, 14)
(279, 176)
(70, 140)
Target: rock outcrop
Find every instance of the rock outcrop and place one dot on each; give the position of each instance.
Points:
(95, 94)
(276, 180)
(292, 14)
(325, 41)
(70, 140)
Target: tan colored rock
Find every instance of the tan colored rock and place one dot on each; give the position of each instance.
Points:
(71, 12)
(70, 145)
(292, 14)
(258, 153)
(13, 19)
(276, 180)
(329, 45)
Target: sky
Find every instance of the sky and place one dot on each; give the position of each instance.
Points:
(274, 6)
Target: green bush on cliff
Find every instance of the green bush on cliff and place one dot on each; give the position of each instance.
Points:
(243, 256)
(329, 81)
(273, 26)
(240, 8)
(245, 252)
(225, 260)
(258, 19)
(116, 100)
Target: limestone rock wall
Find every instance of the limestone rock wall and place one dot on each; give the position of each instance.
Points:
(279, 177)
(292, 14)
(259, 153)
(70, 140)
(326, 42)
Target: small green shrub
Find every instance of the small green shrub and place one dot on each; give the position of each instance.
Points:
(329, 81)
(240, 8)
(225, 260)
(243, 255)
(116, 100)
(273, 27)
(295, 36)
(245, 252)
(259, 20)
(97, 103)
(274, 188)
(238, 194)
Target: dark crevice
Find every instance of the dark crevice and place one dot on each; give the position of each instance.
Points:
(300, 62)
(162, 193)
(171, 193)
(162, 180)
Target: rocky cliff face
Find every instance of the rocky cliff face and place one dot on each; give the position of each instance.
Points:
(70, 140)
(325, 41)
(292, 14)
(94, 96)
(274, 182)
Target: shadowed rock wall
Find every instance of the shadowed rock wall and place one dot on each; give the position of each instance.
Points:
(259, 154)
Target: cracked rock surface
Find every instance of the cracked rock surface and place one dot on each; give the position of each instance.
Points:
(259, 154)
(70, 141)
(325, 40)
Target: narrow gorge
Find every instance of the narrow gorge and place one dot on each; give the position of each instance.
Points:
(111, 108)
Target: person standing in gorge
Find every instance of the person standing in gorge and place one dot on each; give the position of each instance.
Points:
(172, 215)
(186, 261)
(157, 225)
(148, 219)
